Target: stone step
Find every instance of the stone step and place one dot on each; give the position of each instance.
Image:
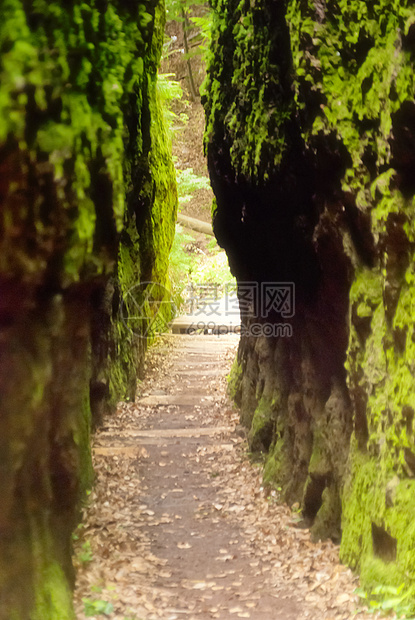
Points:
(198, 431)
(179, 400)
(197, 373)
(189, 324)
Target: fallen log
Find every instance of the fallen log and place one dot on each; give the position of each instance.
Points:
(194, 224)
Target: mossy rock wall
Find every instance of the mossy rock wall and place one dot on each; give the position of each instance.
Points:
(87, 212)
(310, 139)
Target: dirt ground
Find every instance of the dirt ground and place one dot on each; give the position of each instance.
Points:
(179, 524)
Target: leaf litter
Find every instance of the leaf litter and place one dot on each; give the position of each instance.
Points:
(179, 524)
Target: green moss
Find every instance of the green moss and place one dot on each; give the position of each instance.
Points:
(385, 372)
(360, 493)
(146, 305)
(374, 495)
(53, 596)
(247, 111)
(86, 74)
(366, 290)
(276, 469)
(234, 380)
(389, 371)
(318, 462)
(335, 70)
(82, 438)
(88, 208)
(165, 199)
(344, 80)
(262, 424)
(326, 522)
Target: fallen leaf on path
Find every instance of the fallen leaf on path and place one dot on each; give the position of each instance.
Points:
(343, 598)
(271, 557)
(203, 585)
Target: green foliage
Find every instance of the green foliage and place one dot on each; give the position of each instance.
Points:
(188, 267)
(181, 11)
(253, 113)
(85, 554)
(234, 379)
(203, 23)
(189, 182)
(214, 269)
(387, 600)
(177, 9)
(97, 607)
(197, 26)
(213, 245)
(181, 265)
(169, 90)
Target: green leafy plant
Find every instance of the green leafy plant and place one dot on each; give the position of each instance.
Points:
(85, 502)
(388, 600)
(78, 532)
(204, 25)
(214, 269)
(195, 29)
(169, 90)
(176, 8)
(189, 182)
(85, 555)
(98, 607)
(213, 245)
(181, 265)
(181, 11)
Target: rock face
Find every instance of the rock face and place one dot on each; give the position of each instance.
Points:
(310, 139)
(87, 212)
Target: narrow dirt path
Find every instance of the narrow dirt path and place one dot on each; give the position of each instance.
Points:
(179, 526)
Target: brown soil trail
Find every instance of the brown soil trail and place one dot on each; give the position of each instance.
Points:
(178, 524)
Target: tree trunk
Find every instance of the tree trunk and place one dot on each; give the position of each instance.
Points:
(192, 87)
(79, 191)
(193, 224)
(313, 172)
